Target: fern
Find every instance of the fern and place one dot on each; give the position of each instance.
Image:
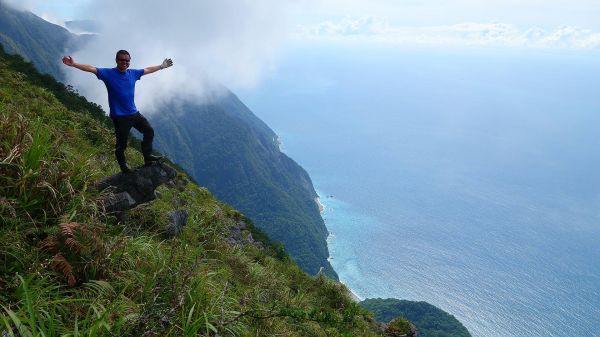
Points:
(99, 288)
(60, 264)
(70, 246)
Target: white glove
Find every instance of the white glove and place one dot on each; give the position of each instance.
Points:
(166, 63)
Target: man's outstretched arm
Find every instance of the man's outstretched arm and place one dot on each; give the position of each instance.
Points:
(68, 60)
(166, 64)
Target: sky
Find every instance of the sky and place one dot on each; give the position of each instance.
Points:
(548, 15)
(544, 13)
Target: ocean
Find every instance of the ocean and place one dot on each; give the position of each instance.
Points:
(467, 178)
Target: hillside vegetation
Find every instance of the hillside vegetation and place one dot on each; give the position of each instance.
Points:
(67, 268)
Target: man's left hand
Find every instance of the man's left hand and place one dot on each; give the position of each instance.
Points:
(166, 63)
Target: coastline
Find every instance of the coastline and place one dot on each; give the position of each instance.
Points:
(353, 294)
(330, 236)
(333, 208)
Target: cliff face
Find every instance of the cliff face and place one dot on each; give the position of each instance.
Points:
(226, 148)
(223, 145)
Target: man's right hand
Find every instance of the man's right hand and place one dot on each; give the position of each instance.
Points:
(68, 60)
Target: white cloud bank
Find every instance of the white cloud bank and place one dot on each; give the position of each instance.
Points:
(372, 29)
(227, 41)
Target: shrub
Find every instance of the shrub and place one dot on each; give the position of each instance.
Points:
(400, 327)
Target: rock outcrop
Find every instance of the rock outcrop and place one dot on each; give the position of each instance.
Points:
(177, 219)
(240, 235)
(127, 190)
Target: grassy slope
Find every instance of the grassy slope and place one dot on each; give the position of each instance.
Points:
(128, 280)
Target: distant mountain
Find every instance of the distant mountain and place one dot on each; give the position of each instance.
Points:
(35, 39)
(226, 148)
(429, 320)
(223, 145)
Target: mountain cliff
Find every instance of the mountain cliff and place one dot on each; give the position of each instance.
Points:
(222, 144)
(226, 148)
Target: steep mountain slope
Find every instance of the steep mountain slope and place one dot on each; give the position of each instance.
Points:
(223, 145)
(236, 156)
(69, 267)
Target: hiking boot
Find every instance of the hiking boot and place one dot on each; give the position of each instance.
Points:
(151, 159)
(125, 168)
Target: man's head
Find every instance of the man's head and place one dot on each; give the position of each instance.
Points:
(123, 58)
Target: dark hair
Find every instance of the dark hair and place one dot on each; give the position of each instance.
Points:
(122, 52)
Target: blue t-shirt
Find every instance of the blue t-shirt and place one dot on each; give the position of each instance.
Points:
(121, 89)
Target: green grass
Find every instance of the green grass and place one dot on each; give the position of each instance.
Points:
(69, 269)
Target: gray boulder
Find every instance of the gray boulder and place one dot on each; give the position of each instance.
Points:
(127, 190)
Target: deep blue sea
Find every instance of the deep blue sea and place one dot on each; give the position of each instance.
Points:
(469, 179)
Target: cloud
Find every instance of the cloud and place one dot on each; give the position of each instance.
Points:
(24, 5)
(467, 34)
(368, 25)
(525, 13)
(228, 41)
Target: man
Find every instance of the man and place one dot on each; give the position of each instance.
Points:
(120, 83)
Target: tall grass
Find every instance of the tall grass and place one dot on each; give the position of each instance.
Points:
(31, 183)
(46, 309)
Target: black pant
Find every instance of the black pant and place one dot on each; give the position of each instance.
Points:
(123, 125)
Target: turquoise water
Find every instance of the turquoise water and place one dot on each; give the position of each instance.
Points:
(468, 180)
